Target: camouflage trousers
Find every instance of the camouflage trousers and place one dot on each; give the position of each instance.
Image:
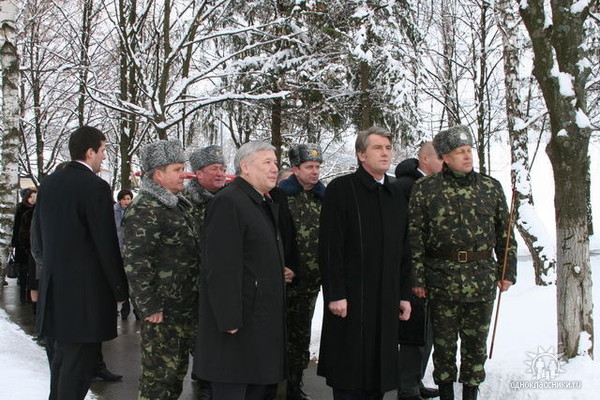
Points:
(165, 357)
(471, 322)
(301, 301)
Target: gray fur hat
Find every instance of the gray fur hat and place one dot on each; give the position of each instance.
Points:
(206, 156)
(452, 138)
(161, 153)
(301, 153)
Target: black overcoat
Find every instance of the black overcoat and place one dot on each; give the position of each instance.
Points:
(363, 256)
(82, 274)
(413, 331)
(241, 287)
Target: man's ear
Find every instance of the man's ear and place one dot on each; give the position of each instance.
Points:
(89, 154)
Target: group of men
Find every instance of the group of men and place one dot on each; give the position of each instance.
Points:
(231, 273)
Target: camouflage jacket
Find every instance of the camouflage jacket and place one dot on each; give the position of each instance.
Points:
(451, 214)
(161, 253)
(199, 197)
(305, 207)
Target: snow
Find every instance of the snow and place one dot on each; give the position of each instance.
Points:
(525, 334)
(582, 120)
(22, 360)
(579, 6)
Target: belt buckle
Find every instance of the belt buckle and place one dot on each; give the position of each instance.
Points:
(462, 256)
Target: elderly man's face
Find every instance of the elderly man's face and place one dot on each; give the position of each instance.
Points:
(211, 177)
(460, 159)
(260, 170)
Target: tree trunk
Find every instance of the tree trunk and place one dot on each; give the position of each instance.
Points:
(9, 173)
(543, 260)
(276, 140)
(366, 119)
(559, 51)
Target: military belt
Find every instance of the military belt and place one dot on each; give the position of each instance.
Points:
(461, 256)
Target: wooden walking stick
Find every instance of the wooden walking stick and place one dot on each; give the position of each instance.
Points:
(511, 218)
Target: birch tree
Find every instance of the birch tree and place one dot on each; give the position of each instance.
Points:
(9, 176)
(558, 34)
(528, 222)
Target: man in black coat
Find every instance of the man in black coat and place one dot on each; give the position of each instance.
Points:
(240, 346)
(82, 276)
(364, 261)
(415, 334)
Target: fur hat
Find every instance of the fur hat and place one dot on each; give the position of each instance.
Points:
(161, 153)
(206, 156)
(452, 138)
(301, 153)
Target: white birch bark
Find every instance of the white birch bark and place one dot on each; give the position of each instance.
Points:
(9, 149)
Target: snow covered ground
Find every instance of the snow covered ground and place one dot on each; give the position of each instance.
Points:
(525, 340)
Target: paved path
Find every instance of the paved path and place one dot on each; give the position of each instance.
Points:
(122, 355)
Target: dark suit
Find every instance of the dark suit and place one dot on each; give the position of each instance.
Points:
(82, 275)
(242, 287)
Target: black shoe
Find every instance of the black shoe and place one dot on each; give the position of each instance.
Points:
(294, 390)
(409, 397)
(446, 391)
(470, 392)
(429, 393)
(204, 389)
(105, 375)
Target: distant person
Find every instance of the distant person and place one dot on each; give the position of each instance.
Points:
(415, 334)
(124, 199)
(162, 260)
(24, 233)
(458, 234)
(305, 194)
(20, 248)
(82, 276)
(364, 262)
(240, 346)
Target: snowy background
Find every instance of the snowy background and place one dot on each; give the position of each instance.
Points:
(527, 322)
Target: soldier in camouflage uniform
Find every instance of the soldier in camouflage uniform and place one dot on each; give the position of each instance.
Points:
(209, 166)
(305, 193)
(161, 256)
(458, 221)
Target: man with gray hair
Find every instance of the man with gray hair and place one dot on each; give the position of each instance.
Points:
(240, 346)
(364, 261)
(458, 222)
(161, 254)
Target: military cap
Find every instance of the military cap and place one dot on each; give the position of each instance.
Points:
(452, 138)
(301, 153)
(161, 153)
(206, 156)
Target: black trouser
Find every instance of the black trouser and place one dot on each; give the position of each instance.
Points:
(72, 370)
(239, 391)
(356, 394)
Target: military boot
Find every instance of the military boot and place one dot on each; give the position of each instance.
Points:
(294, 386)
(470, 392)
(447, 391)
(204, 390)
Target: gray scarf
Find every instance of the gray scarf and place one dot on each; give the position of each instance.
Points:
(161, 194)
